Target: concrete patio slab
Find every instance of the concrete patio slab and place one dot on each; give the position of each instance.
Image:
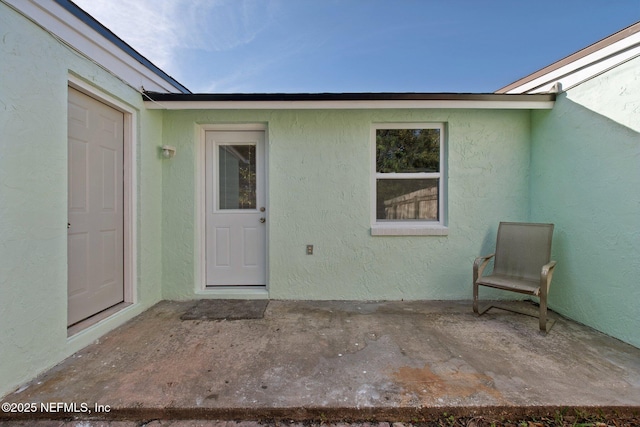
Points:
(337, 360)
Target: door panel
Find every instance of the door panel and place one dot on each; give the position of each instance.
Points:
(77, 172)
(249, 249)
(222, 248)
(95, 247)
(109, 179)
(235, 208)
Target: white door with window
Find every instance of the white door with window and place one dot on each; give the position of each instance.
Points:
(95, 228)
(235, 208)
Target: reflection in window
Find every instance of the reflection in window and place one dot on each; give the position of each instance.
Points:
(407, 150)
(400, 199)
(408, 175)
(237, 176)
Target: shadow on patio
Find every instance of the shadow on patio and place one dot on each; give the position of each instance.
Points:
(340, 360)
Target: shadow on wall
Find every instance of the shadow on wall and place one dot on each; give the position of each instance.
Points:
(489, 242)
(585, 179)
(615, 98)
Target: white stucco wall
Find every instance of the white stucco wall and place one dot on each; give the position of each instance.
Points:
(586, 176)
(34, 70)
(319, 172)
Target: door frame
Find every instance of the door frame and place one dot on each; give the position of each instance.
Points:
(200, 213)
(129, 193)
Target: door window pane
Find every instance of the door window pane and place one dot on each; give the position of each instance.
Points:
(407, 199)
(237, 176)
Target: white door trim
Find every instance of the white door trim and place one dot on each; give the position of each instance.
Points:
(130, 185)
(200, 272)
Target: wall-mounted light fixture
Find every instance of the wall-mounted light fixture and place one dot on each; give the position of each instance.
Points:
(168, 151)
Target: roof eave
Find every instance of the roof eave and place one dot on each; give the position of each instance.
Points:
(274, 101)
(81, 33)
(107, 34)
(592, 60)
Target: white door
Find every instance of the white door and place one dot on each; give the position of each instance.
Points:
(236, 208)
(95, 240)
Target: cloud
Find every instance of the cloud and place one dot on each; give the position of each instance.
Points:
(238, 81)
(223, 24)
(249, 73)
(141, 24)
(159, 29)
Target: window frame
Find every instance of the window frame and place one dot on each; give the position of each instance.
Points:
(410, 227)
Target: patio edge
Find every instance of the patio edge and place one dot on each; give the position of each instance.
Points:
(324, 414)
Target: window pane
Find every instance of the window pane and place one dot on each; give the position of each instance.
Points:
(407, 199)
(407, 150)
(237, 176)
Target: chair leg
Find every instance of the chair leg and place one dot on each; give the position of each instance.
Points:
(475, 298)
(543, 315)
(545, 323)
(476, 308)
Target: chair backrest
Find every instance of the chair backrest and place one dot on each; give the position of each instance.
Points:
(522, 249)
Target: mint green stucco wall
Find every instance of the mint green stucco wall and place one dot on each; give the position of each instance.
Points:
(586, 179)
(34, 70)
(319, 172)
(576, 166)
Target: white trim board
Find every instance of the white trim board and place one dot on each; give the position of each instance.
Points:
(341, 105)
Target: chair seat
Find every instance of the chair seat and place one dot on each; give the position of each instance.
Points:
(525, 286)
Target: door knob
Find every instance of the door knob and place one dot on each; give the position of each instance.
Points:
(262, 220)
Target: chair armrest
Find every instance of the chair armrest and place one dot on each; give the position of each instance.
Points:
(479, 265)
(548, 268)
(545, 277)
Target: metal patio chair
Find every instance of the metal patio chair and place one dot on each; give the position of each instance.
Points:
(522, 263)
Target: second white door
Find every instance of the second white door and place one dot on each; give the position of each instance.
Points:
(235, 208)
(95, 207)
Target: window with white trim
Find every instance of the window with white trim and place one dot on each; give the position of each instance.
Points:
(409, 178)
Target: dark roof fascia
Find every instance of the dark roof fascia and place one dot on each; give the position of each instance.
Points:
(76, 11)
(381, 96)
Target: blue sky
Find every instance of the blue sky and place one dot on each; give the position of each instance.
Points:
(358, 45)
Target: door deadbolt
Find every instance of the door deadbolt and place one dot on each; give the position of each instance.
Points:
(262, 209)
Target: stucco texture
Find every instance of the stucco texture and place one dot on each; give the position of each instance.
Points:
(586, 176)
(35, 70)
(319, 192)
